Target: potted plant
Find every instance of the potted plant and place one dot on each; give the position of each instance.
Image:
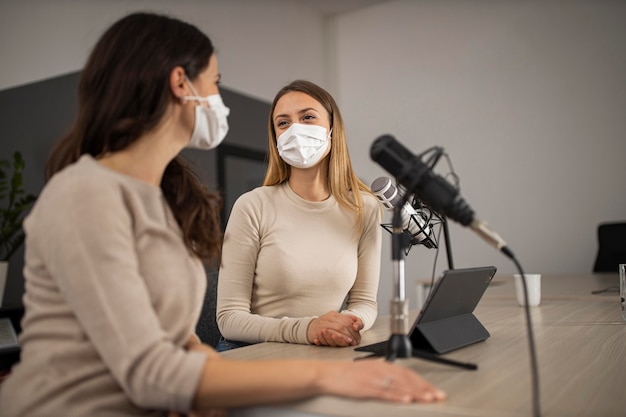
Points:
(14, 203)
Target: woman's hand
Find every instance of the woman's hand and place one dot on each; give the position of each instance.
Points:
(335, 329)
(378, 379)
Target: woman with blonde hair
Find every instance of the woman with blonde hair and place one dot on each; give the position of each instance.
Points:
(306, 243)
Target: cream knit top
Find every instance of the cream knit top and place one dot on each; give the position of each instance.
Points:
(112, 295)
(287, 260)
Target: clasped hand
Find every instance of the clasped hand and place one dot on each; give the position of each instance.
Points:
(335, 329)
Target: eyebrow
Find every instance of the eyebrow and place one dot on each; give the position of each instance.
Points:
(299, 112)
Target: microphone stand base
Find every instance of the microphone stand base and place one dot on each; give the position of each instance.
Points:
(399, 346)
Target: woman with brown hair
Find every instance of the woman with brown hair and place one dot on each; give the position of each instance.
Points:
(115, 244)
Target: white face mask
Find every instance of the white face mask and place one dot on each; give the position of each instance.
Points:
(211, 125)
(302, 146)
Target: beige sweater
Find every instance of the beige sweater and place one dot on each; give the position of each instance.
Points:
(287, 260)
(112, 295)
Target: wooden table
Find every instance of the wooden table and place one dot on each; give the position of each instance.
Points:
(578, 287)
(563, 287)
(581, 348)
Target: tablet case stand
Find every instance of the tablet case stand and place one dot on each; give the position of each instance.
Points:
(445, 335)
(446, 322)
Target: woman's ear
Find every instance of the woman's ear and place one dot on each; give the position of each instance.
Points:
(178, 83)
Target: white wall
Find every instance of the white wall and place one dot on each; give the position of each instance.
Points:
(261, 45)
(527, 97)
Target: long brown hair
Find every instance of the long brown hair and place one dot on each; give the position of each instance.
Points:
(343, 182)
(124, 92)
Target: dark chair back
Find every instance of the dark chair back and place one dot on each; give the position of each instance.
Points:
(206, 328)
(611, 247)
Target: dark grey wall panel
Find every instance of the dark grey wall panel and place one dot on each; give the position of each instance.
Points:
(34, 116)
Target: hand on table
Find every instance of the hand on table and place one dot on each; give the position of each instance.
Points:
(335, 329)
(379, 379)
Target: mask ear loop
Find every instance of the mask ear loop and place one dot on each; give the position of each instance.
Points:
(195, 97)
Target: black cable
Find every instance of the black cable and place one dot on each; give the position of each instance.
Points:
(534, 369)
(438, 152)
(432, 277)
(611, 289)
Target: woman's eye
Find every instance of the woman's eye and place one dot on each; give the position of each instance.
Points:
(281, 123)
(308, 117)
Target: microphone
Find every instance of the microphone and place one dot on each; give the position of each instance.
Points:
(419, 179)
(412, 221)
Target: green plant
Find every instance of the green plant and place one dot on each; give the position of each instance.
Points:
(14, 204)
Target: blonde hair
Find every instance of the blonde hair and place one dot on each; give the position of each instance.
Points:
(344, 185)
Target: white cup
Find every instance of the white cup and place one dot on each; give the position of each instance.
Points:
(533, 286)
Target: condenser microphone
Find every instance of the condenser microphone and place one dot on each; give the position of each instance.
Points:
(418, 178)
(412, 221)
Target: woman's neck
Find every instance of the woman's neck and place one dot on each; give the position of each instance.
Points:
(145, 160)
(311, 184)
(147, 157)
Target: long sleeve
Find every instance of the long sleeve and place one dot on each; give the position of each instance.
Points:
(286, 261)
(247, 232)
(363, 294)
(112, 294)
